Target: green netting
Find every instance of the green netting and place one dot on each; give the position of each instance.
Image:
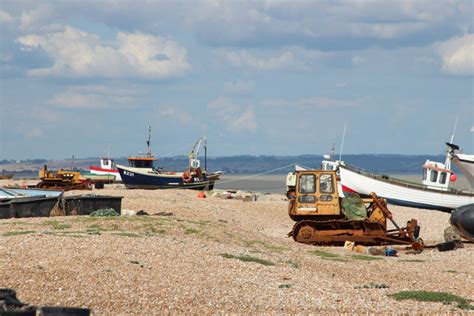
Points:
(354, 208)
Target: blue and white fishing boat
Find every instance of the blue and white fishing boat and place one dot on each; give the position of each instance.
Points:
(141, 173)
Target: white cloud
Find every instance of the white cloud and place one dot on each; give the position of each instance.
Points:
(245, 122)
(239, 87)
(35, 18)
(233, 116)
(386, 30)
(94, 97)
(262, 23)
(311, 102)
(33, 132)
(357, 60)
(80, 54)
(246, 60)
(458, 55)
(290, 58)
(323, 102)
(328, 24)
(5, 17)
(180, 115)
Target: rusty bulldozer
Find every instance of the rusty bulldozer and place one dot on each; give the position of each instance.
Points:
(62, 179)
(324, 218)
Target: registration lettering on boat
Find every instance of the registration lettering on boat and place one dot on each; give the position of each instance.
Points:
(128, 173)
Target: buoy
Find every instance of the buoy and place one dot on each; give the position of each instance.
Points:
(187, 177)
(453, 177)
(201, 195)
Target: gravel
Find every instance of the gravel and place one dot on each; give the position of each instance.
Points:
(156, 264)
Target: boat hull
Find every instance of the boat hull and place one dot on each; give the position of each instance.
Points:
(403, 193)
(465, 163)
(104, 171)
(146, 178)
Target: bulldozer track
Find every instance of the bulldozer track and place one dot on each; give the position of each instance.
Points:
(336, 232)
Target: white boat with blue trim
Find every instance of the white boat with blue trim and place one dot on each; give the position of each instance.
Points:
(433, 193)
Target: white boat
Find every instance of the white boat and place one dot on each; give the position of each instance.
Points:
(465, 163)
(433, 194)
(107, 167)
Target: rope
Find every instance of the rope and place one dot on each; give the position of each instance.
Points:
(238, 179)
(255, 175)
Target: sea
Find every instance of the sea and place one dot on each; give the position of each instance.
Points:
(276, 183)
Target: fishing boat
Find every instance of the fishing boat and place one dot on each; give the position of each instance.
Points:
(107, 168)
(434, 192)
(464, 162)
(142, 174)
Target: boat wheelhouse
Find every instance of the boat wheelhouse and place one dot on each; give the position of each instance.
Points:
(107, 167)
(437, 176)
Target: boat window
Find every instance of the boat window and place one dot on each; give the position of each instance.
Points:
(326, 183)
(141, 163)
(434, 175)
(307, 183)
(425, 174)
(442, 178)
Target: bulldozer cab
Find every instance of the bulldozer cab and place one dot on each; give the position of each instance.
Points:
(316, 193)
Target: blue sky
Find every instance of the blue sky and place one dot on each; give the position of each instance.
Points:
(254, 77)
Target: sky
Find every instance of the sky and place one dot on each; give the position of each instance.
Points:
(270, 77)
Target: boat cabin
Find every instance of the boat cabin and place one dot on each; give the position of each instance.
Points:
(107, 163)
(141, 162)
(436, 175)
(329, 165)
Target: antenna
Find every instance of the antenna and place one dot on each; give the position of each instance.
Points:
(205, 154)
(148, 142)
(342, 143)
(333, 150)
(454, 129)
(450, 150)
